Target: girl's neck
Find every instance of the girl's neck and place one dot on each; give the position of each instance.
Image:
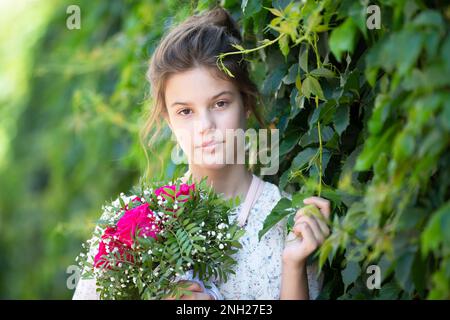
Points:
(231, 181)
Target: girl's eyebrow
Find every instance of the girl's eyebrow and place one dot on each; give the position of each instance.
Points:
(212, 98)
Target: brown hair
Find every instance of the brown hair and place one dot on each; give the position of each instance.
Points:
(197, 42)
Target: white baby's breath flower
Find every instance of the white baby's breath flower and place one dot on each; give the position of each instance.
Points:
(221, 246)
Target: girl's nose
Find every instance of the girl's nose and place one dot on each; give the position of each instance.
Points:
(206, 122)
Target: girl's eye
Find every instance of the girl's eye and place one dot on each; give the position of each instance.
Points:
(184, 112)
(221, 104)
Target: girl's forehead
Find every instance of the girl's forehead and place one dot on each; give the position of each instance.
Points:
(197, 82)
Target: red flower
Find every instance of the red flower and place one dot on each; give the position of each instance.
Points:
(121, 237)
(109, 243)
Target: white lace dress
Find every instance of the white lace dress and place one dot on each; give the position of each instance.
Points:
(258, 269)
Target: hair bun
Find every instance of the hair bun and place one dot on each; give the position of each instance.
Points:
(219, 17)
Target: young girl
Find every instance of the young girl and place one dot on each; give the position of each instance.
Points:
(200, 103)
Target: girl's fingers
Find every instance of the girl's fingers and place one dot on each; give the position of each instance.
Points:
(308, 236)
(313, 224)
(325, 230)
(323, 205)
(300, 213)
(196, 296)
(193, 286)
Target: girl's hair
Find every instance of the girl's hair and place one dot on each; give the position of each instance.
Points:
(197, 42)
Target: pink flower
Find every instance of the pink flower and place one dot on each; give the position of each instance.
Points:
(110, 244)
(140, 217)
(122, 236)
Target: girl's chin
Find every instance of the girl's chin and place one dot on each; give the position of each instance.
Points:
(210, 161)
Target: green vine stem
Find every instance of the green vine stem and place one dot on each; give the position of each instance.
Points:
(266, 43)
(319, 133)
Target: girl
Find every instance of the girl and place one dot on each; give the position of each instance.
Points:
(199, 103)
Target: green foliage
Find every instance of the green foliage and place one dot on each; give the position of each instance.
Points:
(71, 105)
(365, 124)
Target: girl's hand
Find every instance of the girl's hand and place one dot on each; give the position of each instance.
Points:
(309, 232)
(197, 292)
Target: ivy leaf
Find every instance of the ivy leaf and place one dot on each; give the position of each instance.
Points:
(249, 8)
(350, 273)
(303, 60)
(324, 113)
(290, 78)
(274, 11)
(403, 270)
(373, 147)
(298, 83)
(436, 230)
(323, 72)
(312, 136)
(273, 81)
(343, 38)
(289, 143)
(284, 45)
(303, 157)
(341, 119)
(281, 210)
(311, 86)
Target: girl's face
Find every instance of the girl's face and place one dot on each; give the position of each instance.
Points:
(200, 109)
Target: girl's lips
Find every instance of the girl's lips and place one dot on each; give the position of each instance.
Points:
(209, 144)
(210, 147)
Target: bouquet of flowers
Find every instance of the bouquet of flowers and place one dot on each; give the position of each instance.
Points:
(146, 240)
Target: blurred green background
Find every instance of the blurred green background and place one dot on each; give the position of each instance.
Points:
(71, 105)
